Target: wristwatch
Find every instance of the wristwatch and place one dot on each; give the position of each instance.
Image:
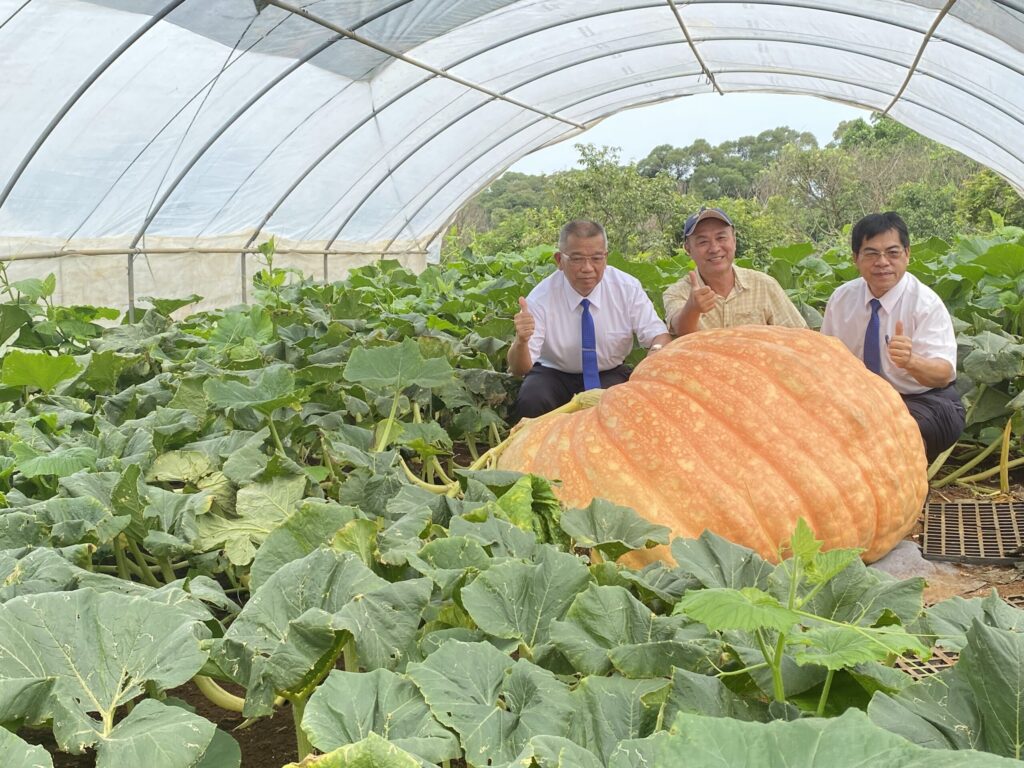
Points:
(655, 347)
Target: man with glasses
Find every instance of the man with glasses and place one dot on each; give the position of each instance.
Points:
(900, 328)
(576, 328)
(717, 294)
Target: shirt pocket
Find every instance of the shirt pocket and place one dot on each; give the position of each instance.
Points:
(619, 346)
(746, 317)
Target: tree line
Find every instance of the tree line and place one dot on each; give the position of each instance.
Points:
(779, 187)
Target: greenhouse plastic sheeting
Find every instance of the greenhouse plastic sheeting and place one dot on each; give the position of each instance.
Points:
(174, 128)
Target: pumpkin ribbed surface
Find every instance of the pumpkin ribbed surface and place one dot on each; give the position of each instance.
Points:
(742, 431)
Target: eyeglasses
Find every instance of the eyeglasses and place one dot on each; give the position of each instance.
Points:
(892, 254)
(594, 261)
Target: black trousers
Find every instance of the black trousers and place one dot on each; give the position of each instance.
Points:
(940, 417)
(544, 389)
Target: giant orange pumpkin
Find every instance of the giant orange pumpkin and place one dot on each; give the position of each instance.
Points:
(742, 431)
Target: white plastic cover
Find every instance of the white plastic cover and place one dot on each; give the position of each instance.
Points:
(218, 123)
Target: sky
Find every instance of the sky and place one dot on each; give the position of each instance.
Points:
(682, 121)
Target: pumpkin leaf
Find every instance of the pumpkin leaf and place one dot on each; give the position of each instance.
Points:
(611, 529)
(37, 370)
(993, 663)
(950, 620)
(495, 704)
(110, 646)
(16, 753)
(747, 609)
(371, 752)
(600, 620)
(396, 367)
(556, 752)
(611, 709)
(839, 647)
(848, 741)
(261, 507)
(155, 734)
(938, 712)
(520, 600)
(273, 388)
(347, 707)
(310, 526)
(716, 562)
(706, 695)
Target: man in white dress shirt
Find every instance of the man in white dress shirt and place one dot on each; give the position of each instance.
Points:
(548, 347)
(900, 328)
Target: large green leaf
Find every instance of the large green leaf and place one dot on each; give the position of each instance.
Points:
(993, 663)
(520, 600)
(938, 712)
(495, 704)
(15, 753)
(556, 752)
(157, 736)
(950, 620)
(838, 647)
(396, 367)
(36, 369)
(604, 619)
(37, 571)
(862, 595)
(748, 609)
(849, 741)
(60, 461)
(611, 529)
(105, 368)
(993, 359)
(717, 562)
(260, 507)
(371, 752)
(312, 525)
(706, 695)
(293, 628)
(272, 388)
(348, 707)
(450, 561)
(78, 520)
(102, 649)
(610, 709)
(1004, 259)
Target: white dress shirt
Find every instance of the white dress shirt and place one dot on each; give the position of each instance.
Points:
(620, 309)
(925, 320)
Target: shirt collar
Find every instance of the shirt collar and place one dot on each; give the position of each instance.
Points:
(890, 298)
(573, 299)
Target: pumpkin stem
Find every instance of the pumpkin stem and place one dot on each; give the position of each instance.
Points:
(580, 402)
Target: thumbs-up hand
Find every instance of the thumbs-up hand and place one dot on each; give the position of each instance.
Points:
(900, 347)
(523, 322)
(702, 298)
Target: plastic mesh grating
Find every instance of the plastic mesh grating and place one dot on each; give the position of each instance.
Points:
(918, 669)
(1017, 601)
(974, 531)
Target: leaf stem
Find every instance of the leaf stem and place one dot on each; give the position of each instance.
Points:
(350, 656)
(273, 433)
(969, 465)
(144, 570)
(413, 478)
(217, 695)
(302, 745)
(994, 471)
(824, 693)
(386, 432)
(121, 559)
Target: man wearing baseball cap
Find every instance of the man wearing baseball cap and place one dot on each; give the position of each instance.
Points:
(717, 294)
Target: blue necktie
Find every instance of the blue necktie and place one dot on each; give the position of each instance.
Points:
(872, 352)
(591, 374)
